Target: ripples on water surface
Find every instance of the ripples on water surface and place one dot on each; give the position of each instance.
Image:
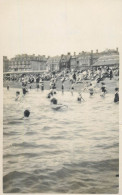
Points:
(68, 151)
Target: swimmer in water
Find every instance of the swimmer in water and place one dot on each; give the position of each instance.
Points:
(54, 92)
(116, 97)
(50, 94)
(55, 104)
(72, 88)
(17, 96)
(80, 98)
(24, 90)
(62, 87)
(7, 87)
(91, 90)
(103, 88)
(54, 101)
(26, 113)
(42, 85)
(30, 87)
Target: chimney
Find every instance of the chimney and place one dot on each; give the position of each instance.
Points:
(4, 57)
(74, 53)
(97, 51)
(68, 53)
(117, 49)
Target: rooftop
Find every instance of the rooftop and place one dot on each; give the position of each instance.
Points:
(107, 60)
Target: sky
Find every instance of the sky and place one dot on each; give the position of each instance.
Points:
(55, 27)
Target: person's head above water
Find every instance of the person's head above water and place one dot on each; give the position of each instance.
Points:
(116, 89)
(26, 113)
(54, 101)
(17, 93)
(103, 83)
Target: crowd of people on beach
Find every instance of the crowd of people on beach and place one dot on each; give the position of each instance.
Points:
(89, 79)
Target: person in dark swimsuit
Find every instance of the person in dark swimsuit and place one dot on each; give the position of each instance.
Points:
(42, 86)
(50, 94)
(116, 97)
(103, 89)
(7, 87)
(24, 90)
(72, 88)
(62, 87)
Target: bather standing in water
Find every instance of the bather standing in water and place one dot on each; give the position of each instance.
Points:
(7, 87)
(24, 90)
(72, 88)
(42, 85)
(116, 97)
(17, 96)
(103, 88)
(80, 98)
(62, 87)
(91, 90)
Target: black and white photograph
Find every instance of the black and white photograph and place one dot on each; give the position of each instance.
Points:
(60, 85)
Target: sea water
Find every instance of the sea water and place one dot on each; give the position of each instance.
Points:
(72, 150)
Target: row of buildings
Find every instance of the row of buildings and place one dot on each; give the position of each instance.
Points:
(83, 60)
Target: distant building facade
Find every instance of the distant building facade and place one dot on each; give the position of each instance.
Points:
(80, 61)
(65, 61)
(53, 63)
(83, 60)
(26, 62)
(5, 64)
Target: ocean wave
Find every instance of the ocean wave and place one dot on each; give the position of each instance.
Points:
(29, 155)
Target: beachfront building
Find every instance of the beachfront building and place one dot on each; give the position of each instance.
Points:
(86, 60)
(81, 61)
(26, 62)
(65, 61)
(53, 63)
(5, 64)
(73, 62)
(110, 60)
(39, 63)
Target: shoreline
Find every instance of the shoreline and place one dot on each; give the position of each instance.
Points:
(110, 85)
